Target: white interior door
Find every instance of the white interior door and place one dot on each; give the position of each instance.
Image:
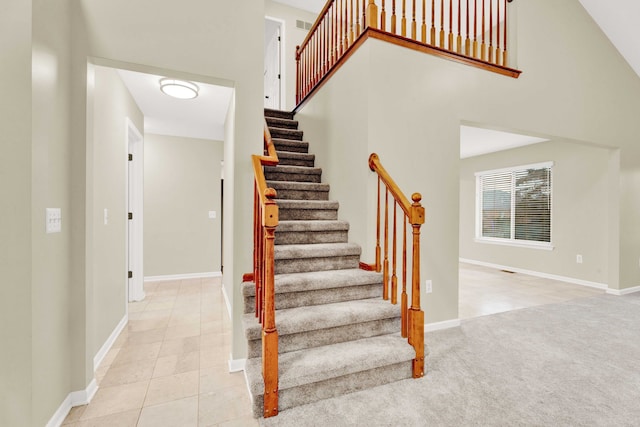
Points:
(272, 72)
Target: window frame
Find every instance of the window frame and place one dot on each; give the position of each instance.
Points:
(512, 241)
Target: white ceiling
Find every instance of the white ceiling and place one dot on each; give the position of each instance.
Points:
(202, 117)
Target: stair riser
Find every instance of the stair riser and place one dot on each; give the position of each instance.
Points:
(356, 331)
(286, 133)
(278, 114)
(307, 214)
(293, 177)
(291, 146)
(306, 237)
(296, 396)
(323, 296)
(302, 195)
(301, 265)
(281, 123)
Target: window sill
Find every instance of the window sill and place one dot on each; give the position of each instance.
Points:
(527, 245)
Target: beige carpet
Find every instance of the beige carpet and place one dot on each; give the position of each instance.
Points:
(570, 364)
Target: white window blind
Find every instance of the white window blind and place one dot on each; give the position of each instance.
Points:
(514, 205)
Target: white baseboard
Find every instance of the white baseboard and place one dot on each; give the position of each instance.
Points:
(75, 398)
(99, 357)
(625, 291)
(236, 365)
(182, 276)
(437, 326)
(573, 280)
(227, 302)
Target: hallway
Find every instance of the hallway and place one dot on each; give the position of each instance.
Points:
(169, 367)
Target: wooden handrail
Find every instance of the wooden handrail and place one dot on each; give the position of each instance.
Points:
(265, 221)
(337, 29)
(412, 318)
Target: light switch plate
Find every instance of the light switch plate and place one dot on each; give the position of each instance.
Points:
(54, 220)
(212, 214)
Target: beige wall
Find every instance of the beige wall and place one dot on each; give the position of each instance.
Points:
(112, 105)
(411, 107)
(580, 218)
(181, 185)
(15, 205)
(293, 36)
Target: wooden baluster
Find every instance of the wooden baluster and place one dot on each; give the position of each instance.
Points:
(298, 76)
(312, 61)
(256, 207)
(364, 15)
(394, 278)
(383, 18)
(372, 14)
(450, 46)
(340, 30)
(424, 22)
(416, 315)
(475, 29)
(403, 21)
(351, 25)
(346, 24)
(498, 50)
(413, 21)
(432, 39)
(459, 38)
(260, 276)
(467, 41)
(403, 302)
(385, 264)
(504, 54)
(324, 45)
(378, 265)
(490, 58)
(483, 55)
(335, 32)
(442, 24)
(393, 17)
(357, 18)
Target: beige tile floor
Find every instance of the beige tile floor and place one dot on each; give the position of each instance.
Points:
(169, 367)
(486, 290)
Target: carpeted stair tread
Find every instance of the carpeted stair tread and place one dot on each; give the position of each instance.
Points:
(314, 226)
(293, 173)
(319, 250)
(325, 316)
(307, 204)
(317, 364)
(296, 159)
(269, 112)
(290, 145)
(284, 133)
(316, 280)
(297, 185)
(278, 122)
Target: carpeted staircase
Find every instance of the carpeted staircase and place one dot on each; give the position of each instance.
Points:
(336, 334)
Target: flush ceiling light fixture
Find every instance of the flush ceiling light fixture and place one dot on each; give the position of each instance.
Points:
(179, 88)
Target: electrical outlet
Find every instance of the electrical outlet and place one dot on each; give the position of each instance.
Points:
(212, 214)
(106, 216)
(54, 220)
(579, 259)
(429, 286)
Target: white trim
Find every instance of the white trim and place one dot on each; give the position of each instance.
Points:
(184, 276)
(438, 326)
(283, 62)
(566, 279)
(236, 365)
(625, 291)
(545, 246)
(227, 302)
(75, 398)
(99, 357)
(134, 191)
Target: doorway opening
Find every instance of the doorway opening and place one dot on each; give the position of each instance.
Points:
(273, 70)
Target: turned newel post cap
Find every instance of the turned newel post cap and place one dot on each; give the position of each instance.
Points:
(416, 197)
(270, 193)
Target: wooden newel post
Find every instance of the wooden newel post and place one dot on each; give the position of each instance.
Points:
(372, 15)
(416, 315)
(269, 331)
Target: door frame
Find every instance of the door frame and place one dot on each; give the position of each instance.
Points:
(135, 203)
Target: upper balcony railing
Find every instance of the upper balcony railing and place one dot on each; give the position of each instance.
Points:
(474, 32)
